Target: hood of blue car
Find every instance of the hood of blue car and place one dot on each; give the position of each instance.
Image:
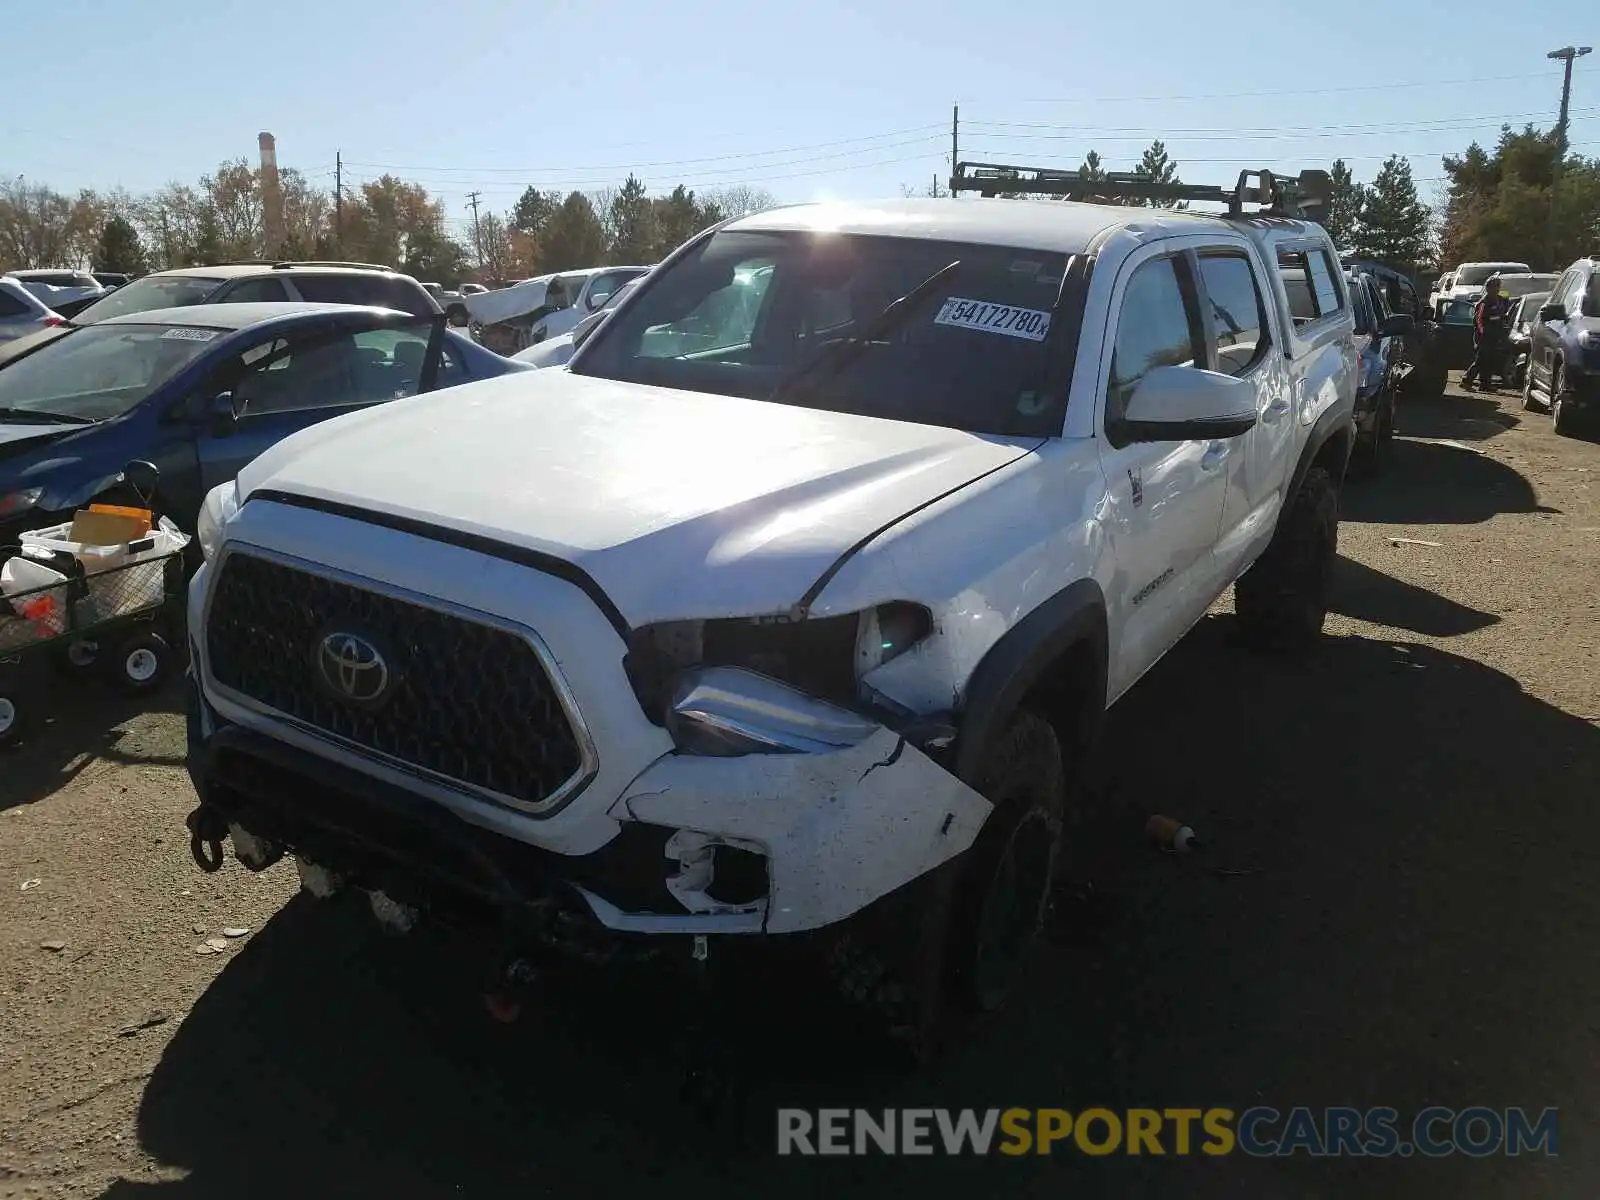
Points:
(14, 437)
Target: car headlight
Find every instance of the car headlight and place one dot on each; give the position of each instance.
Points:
(221, 503)
(817, 661)
(13, 503)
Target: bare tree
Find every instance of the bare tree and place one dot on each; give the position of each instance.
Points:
(40, 227)
(740, 199)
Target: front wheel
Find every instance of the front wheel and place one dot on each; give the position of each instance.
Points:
(1561, 416)
(78, 660)
(1529, 404)
(1003, 897)
(1282, 601)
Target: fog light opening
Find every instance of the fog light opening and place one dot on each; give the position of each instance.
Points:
(716, 875)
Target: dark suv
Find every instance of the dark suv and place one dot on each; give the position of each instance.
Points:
(1564, 348)
(241, 283)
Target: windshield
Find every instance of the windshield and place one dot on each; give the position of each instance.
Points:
(1477, 274)
(102, 371)
(150, 293)
(1528, 307)
(1513, 286)
(745, 311)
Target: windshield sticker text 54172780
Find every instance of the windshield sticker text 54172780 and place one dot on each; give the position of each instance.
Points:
(1030, 323)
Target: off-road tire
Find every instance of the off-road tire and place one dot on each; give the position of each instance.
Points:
(1372, 454)
(1282, 601)
(1012, 863)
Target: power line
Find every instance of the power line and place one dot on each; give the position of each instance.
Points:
(1368, 87)
(929, 132)
(995, 153)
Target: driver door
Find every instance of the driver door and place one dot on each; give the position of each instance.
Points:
(293, 380)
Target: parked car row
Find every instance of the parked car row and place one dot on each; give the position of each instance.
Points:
(199, 390)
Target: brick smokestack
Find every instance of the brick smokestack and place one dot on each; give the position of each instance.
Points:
(271, 196)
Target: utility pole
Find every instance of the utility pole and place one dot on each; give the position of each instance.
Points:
(1566, 54)
(338, 201)
(955, 143)
(477, 241)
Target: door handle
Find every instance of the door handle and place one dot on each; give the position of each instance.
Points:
(1214, 455)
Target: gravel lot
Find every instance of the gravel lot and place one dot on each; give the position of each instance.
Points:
(1414, 921)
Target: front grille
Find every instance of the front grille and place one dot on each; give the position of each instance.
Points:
(467, 701)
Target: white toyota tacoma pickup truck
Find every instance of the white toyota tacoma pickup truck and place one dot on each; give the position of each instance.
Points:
(794, 620)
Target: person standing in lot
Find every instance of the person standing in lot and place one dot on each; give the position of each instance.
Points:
(1489, 319)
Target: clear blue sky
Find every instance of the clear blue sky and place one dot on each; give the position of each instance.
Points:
(818, 99)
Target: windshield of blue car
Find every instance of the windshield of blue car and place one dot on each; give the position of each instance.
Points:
(782, 314)
(148, 294)
(102, 371)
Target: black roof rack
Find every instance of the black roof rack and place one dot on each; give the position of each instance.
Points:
(1275, 195)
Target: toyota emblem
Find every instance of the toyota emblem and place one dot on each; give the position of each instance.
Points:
(352, 668)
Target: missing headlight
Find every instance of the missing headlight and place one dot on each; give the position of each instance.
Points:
(823, 657)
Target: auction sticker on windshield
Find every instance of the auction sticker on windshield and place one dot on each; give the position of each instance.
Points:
(1030, 323)
(187, 333)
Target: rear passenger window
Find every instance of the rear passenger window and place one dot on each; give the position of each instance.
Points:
(1323, 286)
(10, 306)
(1308, 279)
(1157, 327)
(336, 289)
(1238, 316)
(253, 291)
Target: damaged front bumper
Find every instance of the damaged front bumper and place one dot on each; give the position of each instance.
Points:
(766, 843)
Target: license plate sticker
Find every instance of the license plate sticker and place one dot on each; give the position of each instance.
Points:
(187, 333)
(1031, 324)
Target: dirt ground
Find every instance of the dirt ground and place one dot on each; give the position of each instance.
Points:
(1409, 917)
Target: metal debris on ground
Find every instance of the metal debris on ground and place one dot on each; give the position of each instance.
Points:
(29, 884)
(235, 931)
(149, 1021)
(1399, 541)
(217, 943)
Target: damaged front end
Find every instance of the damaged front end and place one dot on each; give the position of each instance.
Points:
(794, 798)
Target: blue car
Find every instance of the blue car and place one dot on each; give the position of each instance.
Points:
(200, 391)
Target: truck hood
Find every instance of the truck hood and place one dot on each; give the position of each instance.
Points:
(677, 504)
(493, 307)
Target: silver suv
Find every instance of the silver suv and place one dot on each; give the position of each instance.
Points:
(264, 282)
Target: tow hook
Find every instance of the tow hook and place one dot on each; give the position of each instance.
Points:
(206, 831)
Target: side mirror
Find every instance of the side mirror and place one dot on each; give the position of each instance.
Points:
(1397, 325)
(224, 415)
(1186, 404)
(142, 477)
(1552, 312)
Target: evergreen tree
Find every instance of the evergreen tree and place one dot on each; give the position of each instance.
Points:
(573, 237)
(1344, 205)
(120, 248)
(1395, 226)
(633, 236)
(532, 210)
(1156, 166)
